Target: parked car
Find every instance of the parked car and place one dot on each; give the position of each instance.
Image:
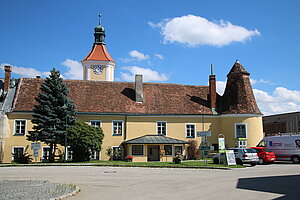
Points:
(286, 147)
(265, 155)
(242, 156)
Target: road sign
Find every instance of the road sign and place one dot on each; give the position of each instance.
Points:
(203, 133)
(35, 146)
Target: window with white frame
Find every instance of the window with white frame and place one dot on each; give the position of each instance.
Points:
(161, 128)
(46, 153)
(69, 153)
(17, 152)
(94, 155)
(96, 123)
(137, 150)
(117, 127)
(20, 127)
(190, 130)
(117, 153)
(240, 130)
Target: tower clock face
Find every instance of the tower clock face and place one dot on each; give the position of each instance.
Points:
(98, 69)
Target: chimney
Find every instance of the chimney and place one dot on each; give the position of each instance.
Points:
(139, 88)
(212, 91)
(7, 70)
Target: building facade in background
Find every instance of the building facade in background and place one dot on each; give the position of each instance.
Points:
(150, 121)
(287, 123)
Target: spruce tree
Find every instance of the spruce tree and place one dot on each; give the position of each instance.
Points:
(53, 113)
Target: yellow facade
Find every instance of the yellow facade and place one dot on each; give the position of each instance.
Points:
(137, 126)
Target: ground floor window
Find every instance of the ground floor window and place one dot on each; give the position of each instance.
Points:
(168, 149)
(17, 152)
(46, 153)
(69, 153)
(240, 131)
(94, 155)
(137, 150)
(117, 153)
(178, 150)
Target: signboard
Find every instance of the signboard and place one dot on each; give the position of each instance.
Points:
(230, 157)
(35, 146)
(35, 153)
(203, 133)
(221, 143)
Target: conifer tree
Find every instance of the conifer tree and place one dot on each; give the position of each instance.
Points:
(53, 113)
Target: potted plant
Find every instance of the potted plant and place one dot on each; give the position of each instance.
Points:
(177, 158)
(128, 158)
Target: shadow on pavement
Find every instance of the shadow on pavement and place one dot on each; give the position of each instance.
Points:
(286, 185)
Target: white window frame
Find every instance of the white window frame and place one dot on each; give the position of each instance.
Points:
(178, 146)
(139, 145)
(157, 127)
(186, 130)
(122, 131)
(113, 151)
(93, 155)
(42, 156)
(67, 153)
(13, 151)
(235, 129)
(16, 129)
(96, 121)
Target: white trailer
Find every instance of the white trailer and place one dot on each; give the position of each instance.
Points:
(286, 147)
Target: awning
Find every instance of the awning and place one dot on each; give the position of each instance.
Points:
(155, 139)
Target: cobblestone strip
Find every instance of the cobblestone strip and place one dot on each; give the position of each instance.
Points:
(35, 190)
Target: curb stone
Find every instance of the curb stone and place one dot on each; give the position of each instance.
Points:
(77, 190)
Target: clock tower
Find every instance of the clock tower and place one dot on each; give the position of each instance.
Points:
(98, 64)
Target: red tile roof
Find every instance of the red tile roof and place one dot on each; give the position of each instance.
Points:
(99, 52)
(119, 97)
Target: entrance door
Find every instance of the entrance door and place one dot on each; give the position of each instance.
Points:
(153, 153)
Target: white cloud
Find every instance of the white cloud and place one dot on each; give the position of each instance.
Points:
(220, 87)
(148, 74)
(253, 81)
(159, 56)
(281, 100)
(138, 55)
(24, 71)
(193, 30)
(75, 69)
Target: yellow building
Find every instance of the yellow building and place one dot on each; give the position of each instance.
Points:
(150, 121)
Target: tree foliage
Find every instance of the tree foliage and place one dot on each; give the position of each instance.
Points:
(83, 138)
(192, 151)
(53, 113)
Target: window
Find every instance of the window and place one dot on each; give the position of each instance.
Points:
(240, 131)
(69, 153)
(117, 153)
(117, 127)
(46, 153)
(190, 130)
(168, 149)
(20, 127)
(137, 150)
(17, 152)
(161, 128)
(94, 155)
(96, 123)
(178, 150)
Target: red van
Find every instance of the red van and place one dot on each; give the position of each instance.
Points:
(265, 155)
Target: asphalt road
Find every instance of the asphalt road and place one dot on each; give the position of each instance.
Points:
(260, 182)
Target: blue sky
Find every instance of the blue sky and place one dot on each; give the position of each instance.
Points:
(169, 41)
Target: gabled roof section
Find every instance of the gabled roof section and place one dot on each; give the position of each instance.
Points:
(119, 97)
(155, 139)
(99, 53)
